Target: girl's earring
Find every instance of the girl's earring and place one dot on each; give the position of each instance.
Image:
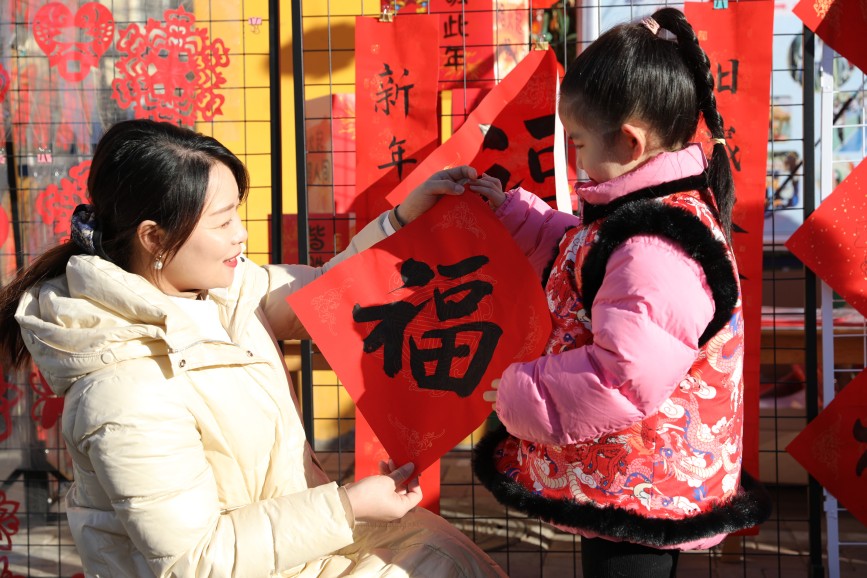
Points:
(158, 263)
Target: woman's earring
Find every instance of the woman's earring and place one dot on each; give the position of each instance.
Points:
(158, 262)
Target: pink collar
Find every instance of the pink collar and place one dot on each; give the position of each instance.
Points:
(662, 168)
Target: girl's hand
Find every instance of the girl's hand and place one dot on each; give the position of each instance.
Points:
(491, 395)
(490, 188)
(386, 497)
(423, 197)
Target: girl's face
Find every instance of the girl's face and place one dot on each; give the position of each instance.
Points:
(595, 155)
(208, 258)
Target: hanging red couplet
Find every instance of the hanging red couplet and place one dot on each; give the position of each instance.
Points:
(826, 20)
(738, 41)
(396, 104)
(418, 326)
(832, 241)
(466, 42)
(510, 135)
(833, 447)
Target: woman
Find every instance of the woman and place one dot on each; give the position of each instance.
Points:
(189, 455)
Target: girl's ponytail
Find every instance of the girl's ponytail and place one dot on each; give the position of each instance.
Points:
(719, 169)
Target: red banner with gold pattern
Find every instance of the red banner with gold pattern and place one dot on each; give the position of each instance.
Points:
(417, 326)
(833, 447)
(832, 241)
(396, 104)
(738, 41)
(826, 18)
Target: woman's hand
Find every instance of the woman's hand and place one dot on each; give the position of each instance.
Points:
(423, 197)
(490, 188)
(385, 497)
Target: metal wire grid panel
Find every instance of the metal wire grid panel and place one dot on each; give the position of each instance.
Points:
(843, 145)
(788, 544)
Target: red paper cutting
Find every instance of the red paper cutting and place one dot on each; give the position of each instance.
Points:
(9, 523)
(54, 23)
(510, 135)
(9, 396)
(832, 241)
(418, 326)
(826, 18)
(47, 407)
(833, 447)
(55, 205)
(170, 70)
(739, 41)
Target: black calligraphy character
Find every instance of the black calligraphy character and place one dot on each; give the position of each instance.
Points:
(317, 237)
(397, 159)
(441, 379)
(859, 431)
(454, 56)
(540, 128)
(393, 319)
(734, 150)
(721, 83)
(390, 91)
(469, 294)
(454, 26)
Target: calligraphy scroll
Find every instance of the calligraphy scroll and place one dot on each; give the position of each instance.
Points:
(833, 447)
(510, 135)
(738, 41)
(466, 43)
(396, 104)
(832, 241)
(826, 18)
(418, 326)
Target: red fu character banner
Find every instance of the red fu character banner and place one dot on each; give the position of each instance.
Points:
(832, 242)
(826, 18)
(418, 326)
(833, 447)
(396, 104)
(510, 135)
(738, 40)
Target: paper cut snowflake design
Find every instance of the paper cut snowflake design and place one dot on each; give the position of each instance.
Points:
(55, 204)
(170, 70)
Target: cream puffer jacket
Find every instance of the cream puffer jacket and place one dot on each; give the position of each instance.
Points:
(189, 455)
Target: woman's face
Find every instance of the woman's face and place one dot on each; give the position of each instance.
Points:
(208, 258)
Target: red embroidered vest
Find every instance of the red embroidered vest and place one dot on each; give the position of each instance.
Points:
(683, 460)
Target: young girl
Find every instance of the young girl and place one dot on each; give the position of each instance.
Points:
(189, 455)
(629, 430)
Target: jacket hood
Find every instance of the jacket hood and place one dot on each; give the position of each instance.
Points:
(97, 315)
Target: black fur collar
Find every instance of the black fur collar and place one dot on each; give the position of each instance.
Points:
(647, 217)
(749, 508)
